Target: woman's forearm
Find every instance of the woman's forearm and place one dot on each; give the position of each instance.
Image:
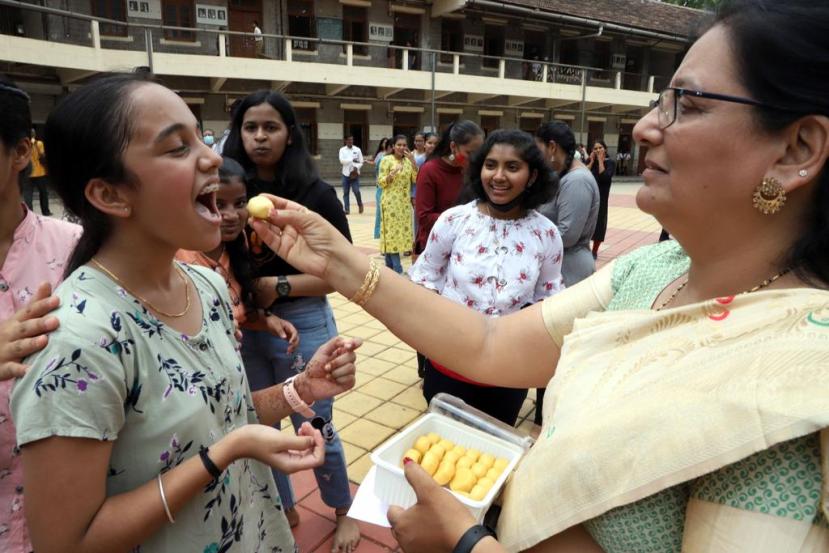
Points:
(307, 285)
(271, 405)
(100, 524)
(458, 337)
(301, 286)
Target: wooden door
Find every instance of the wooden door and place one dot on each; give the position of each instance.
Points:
(355, 123)
(241, 17)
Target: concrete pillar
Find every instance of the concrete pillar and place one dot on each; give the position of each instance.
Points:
(95, 29)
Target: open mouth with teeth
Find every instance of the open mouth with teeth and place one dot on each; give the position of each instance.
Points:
(206, 203)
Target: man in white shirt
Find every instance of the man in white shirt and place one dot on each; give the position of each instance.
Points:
(351, 158)
(259, 40)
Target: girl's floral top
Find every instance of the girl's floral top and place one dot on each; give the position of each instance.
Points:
(495, 266)
(113, 372)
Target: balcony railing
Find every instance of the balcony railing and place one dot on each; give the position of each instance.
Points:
(87, 30)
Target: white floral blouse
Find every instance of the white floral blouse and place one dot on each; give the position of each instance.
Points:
(494, 266)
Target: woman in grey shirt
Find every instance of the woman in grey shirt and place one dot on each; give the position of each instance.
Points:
(575, 208)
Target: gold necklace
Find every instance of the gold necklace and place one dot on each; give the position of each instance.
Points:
(146, 302)
(749, 291)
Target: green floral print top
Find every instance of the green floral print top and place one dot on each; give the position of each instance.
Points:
(112, 371)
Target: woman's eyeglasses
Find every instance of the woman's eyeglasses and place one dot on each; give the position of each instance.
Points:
(666, 104)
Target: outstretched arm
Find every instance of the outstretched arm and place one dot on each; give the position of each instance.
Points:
(451, 334)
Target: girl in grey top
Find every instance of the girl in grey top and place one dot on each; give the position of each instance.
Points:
(575, 208)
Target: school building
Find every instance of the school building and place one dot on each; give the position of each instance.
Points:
(371, 68)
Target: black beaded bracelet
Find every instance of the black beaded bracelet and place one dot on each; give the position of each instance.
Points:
(471, 538)
(209, 464)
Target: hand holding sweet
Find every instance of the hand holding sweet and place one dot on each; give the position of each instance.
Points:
(435, 523)
(299, 236)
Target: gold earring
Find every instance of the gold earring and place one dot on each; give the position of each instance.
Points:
(769, 197)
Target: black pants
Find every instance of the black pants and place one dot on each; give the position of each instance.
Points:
(421, 365)
(42, 185)
(502, 403)
(539, 404)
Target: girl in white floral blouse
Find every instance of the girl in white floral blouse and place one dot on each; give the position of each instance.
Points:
(495, 254)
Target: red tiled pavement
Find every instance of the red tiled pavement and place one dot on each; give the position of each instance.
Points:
(312, 530)
(315, 531)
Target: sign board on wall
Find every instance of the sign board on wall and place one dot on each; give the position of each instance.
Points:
(473, 43)
(619, 61)
(514, 48)
(380, 32)
(146, 9)
(330, 27)
(207, 14)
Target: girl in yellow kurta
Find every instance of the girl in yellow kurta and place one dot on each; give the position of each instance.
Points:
(397, 173)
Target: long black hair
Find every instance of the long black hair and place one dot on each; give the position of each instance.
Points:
(381, 146)
(16, 123)
(539, 192)
(237, 249)
(86, 135)
(296, 169)
(790, 39)
(562, 135)
(460, 132)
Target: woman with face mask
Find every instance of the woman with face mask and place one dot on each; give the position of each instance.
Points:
(494, 254)
(440, 179)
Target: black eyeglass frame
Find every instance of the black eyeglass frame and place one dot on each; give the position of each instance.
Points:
(679, 92)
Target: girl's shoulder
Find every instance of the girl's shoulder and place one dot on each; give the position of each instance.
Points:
(459, 213)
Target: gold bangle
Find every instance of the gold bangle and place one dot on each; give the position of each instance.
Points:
(369, 284)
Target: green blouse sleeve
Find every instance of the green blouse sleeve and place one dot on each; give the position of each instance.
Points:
(77, 386)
